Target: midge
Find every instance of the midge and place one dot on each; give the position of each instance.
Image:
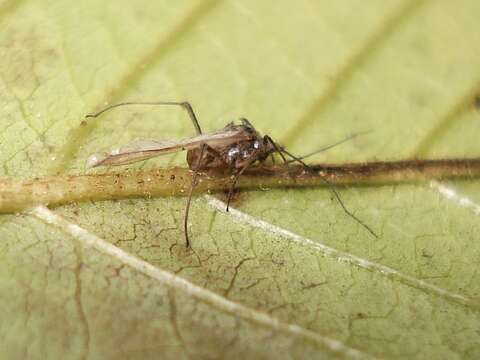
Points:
(236, 147)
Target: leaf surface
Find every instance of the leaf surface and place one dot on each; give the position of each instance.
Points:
(286, 274)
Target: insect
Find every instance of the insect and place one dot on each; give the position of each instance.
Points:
(236, 147)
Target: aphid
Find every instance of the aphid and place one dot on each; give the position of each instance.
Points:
(236, 147)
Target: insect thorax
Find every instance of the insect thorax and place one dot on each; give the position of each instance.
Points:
(234, 156)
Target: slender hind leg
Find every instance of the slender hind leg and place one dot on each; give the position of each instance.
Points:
(186, 105)
(187, 208)
(189, 200)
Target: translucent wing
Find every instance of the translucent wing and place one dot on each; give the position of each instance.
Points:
(139, 150)
(136, 150)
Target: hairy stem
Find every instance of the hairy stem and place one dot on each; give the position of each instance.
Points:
(63, 189)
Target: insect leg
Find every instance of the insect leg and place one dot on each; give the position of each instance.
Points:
(192, 186)
(332, 189)
(187, 208)
(234, 182)
(335, 193)
(272, 157)
(277, 148)
(295, 158)
(247, 123)
(186, 105)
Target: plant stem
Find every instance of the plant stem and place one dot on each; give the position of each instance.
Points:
(63, 189)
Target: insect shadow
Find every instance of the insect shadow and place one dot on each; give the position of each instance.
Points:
(236, 147)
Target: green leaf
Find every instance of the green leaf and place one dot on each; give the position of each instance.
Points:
(286, 274)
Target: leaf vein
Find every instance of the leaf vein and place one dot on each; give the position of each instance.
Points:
(78, 135)
(346, 73)
(343, 256)
(450, 194)
(9, 7)
(173, 281)
(444, 124)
